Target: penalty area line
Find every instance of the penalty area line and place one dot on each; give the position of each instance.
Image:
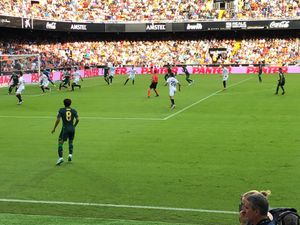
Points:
(203, 99)
(118, 206)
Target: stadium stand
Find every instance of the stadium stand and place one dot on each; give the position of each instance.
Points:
(65, 51)
(150, 10)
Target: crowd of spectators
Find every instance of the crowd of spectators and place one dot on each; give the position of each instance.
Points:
(147, 10)
(158, 52)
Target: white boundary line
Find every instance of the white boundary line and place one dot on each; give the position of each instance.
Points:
(203, 99)
(118, 206)
(119, 118)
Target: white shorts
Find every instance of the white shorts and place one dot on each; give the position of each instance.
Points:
(45, 83)
(20, 90)
(131, 77)
(172, 92)
(76, 81)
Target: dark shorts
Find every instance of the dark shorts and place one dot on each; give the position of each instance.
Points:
(153, 85)
(66, 134)
(66, 81)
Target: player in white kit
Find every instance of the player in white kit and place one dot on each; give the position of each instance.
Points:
(76, 78)
(112, 71)
(21, 88)
(44, 83)
(132, 73)
(172, 82)
(225, 76)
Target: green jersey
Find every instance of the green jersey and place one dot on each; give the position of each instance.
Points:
(66, 77)
(67, 115)
(14, 77)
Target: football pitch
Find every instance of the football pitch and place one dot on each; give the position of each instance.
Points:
(138, 162)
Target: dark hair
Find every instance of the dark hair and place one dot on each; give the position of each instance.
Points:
(67, 102)
(259, 201)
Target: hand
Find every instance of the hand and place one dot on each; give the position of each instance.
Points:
(242, 218)
(52, 132)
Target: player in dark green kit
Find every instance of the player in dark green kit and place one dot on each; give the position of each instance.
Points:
(106, 74)
(187, 75)
(281, 82)
(67, 114)
(66, 80)
(14, 80)
(260, 71)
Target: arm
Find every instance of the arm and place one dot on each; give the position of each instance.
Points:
(179, 86)
(76, 122)
(55, 125)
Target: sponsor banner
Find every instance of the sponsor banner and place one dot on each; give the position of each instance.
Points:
(215, 26)
(7, 21)
(274, 24)
(95, 72)
(236, 25)
(78, 27)
(4, 80)
(207, 70)
(285, 24)
(194, 26)
(33, 78)
(28, 23)
(68, 27)
(155, 27)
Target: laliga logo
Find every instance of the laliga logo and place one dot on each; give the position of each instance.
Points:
(51, 26)
(197, 26)
(282, 24)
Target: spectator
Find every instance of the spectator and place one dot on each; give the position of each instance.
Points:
(243, 218)
(255, 209)
(152, 10)
(68, 52)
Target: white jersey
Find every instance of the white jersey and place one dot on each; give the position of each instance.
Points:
(172, 82)
(44, 80)
(132, 74)
(21, 82)
(112, 71)
(77, 77)
(225, 74)
(21, 85)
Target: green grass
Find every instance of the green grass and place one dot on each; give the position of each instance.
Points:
(131, 150)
